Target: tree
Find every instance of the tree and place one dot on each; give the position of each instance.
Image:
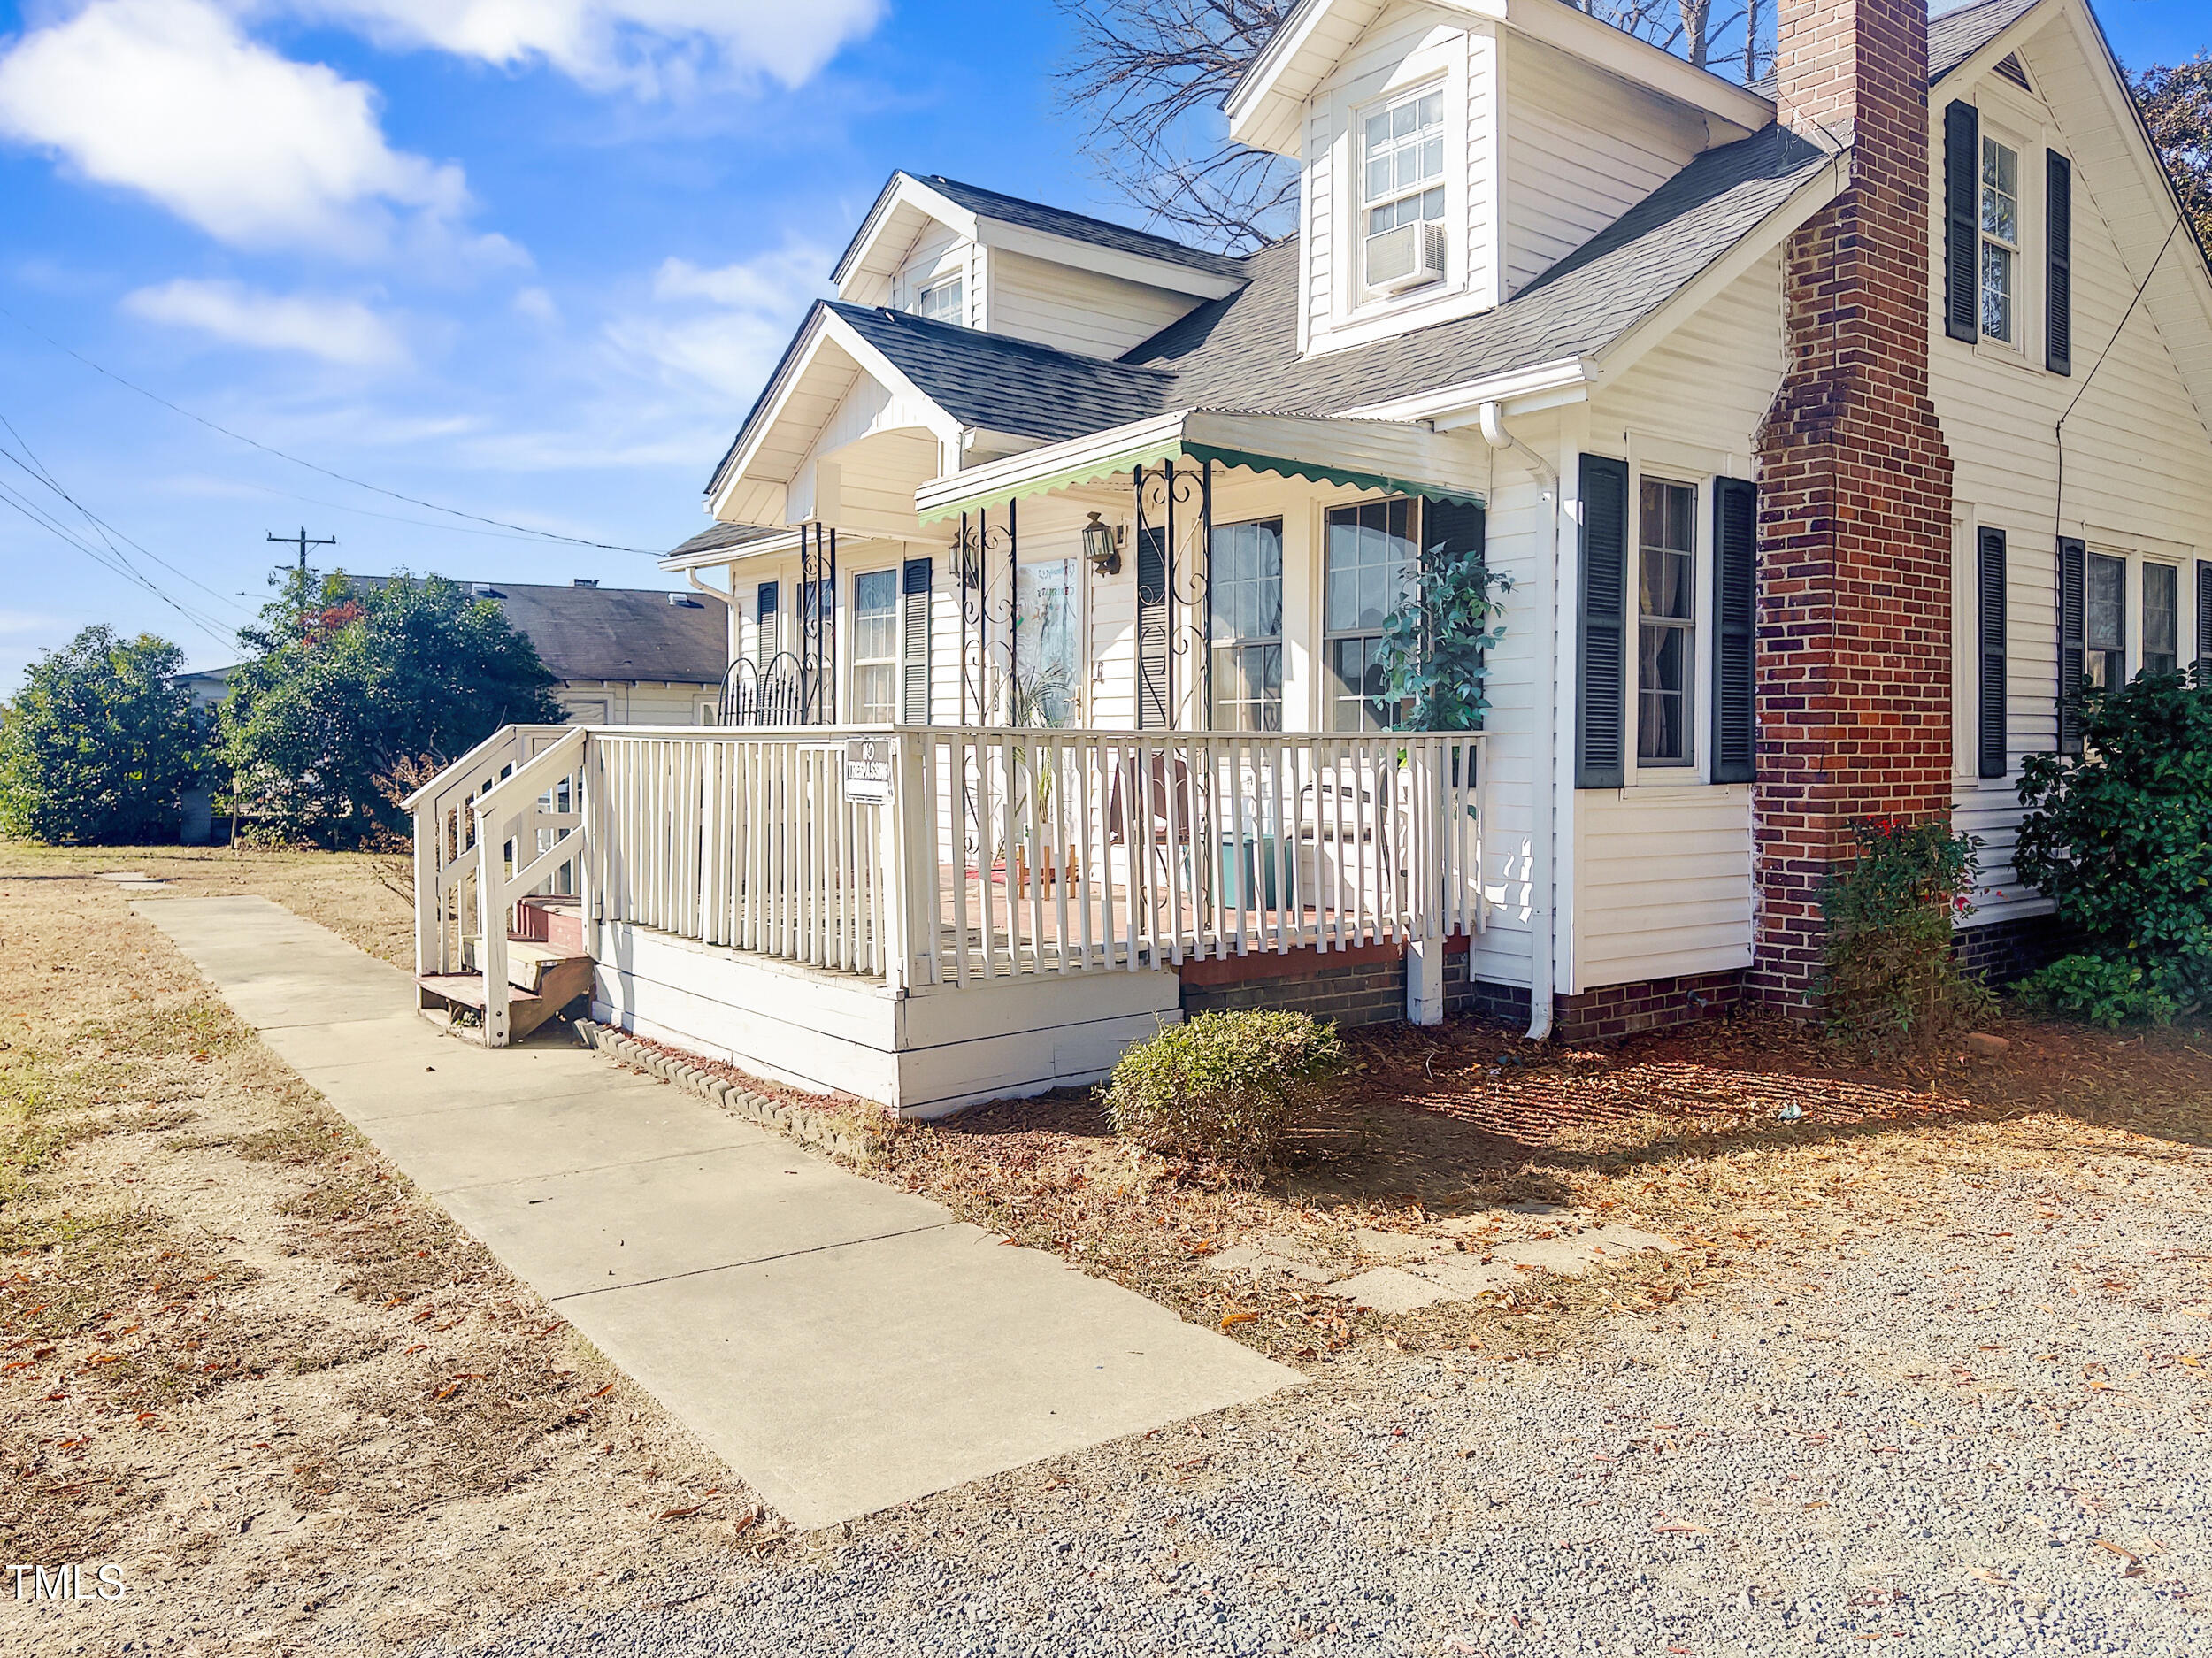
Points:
(350, 681)
(2176, 103)
(1149, 78)
(99, 742)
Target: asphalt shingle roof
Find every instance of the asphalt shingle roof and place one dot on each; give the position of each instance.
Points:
(1007, 385)
(1102, 232)
(1953, 37)
(1241, 352)
(618, 634)
(718, 537)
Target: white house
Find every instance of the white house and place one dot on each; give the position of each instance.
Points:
(1827, 430)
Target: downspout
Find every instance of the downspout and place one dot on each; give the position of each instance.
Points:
(1543, 894)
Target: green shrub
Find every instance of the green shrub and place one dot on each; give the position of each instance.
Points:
(99, 742)
(1228, 1087)
(2102, 991)
(1887, 970)
(2121, 839)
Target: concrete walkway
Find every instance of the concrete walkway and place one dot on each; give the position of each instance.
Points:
(844, 1346)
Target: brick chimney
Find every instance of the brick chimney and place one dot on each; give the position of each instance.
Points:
(1854, 677)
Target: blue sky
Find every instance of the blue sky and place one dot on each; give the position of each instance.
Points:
(530, 258)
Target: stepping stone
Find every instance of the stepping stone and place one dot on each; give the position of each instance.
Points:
(1390, 1289)
(1254, 1260)
(124, 875)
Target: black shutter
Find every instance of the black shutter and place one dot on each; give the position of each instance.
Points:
(1735, 630)
(2204, 621)
(1602, 671)
(2072, 573)
(914, 586)
(1962, 213)
(1154, 707)
(764, 603)
(2058, 278)
(1989, 632)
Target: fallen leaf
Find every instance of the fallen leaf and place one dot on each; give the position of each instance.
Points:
(1228, 1319)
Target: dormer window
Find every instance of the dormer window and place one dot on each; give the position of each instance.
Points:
(1402, 172)
(943, 301)
(2000, 239)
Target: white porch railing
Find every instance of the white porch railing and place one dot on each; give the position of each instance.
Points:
(993, 852)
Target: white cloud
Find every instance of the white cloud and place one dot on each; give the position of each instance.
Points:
(536, 304)
(336, 330)
(167, 97)
(647, 45)
(722, 327)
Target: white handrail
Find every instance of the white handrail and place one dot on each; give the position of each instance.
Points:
(999, 852)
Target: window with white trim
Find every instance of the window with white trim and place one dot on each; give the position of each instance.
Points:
(1048, 640)
(943, 301)
(2105, 622)
(1666, 638)
(875, 633)
(1402, 200)
(1245, 582)
(1367, 564)
(2000, 241)
(2162, 618)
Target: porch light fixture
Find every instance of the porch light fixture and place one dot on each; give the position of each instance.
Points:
(1102, 545)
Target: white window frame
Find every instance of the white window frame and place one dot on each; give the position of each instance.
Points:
(2182, 652)
(1229, 645)
(1326, 670)
(855, 663)
(1437, 184)
(1078, 624)
(2013, 253)
(2130, 612)
(956, 281)
(1693, 757)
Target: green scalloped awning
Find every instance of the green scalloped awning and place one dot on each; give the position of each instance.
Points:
(1321, 472)
(1372, 455)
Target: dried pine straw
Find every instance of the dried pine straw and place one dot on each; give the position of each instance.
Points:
(1680, 1132)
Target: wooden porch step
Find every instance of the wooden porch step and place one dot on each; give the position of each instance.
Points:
(541, 981)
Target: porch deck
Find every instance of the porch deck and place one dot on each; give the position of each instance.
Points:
(927, 860)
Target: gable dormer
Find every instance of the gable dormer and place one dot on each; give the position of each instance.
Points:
(951, 252)
(1454, 149)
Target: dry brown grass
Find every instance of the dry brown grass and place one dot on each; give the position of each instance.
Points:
(1681, 1134)
(241, 1356)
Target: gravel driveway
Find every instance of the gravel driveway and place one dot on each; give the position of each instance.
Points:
(1975, 1435)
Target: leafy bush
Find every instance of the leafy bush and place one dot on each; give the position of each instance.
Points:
(2103, 992)
(1225, 1087)
(1436, 647)
(1887, 969)
(98, 744)
(2121, 839)
(350, 681)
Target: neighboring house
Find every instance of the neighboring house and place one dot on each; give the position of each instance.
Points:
(206, 687)
(1830, 430)
(620, 655)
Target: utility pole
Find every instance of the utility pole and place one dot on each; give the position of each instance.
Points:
(303, 542)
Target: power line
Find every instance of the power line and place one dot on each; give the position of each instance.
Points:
(116, 565)
(29, 462)
(357, 483)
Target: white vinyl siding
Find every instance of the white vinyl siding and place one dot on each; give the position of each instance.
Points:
(2137, 451)
(1077, 311)
(1581, 149)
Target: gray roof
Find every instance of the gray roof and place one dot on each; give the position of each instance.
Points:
(1057, 221)
(1953, 37)
(1241, 352)
(718, 537)
(625, 634)
(1008, 385)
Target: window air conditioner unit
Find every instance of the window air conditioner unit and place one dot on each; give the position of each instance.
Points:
(1405, 256)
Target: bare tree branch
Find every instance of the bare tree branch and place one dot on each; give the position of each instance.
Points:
(1149, 76)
